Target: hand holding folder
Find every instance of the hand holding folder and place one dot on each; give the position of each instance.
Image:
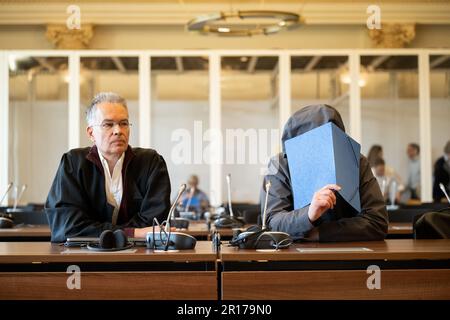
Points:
(324, 156)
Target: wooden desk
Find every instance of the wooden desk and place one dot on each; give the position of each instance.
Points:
(38, 270)
(410, 269)
(26, 233)
(400, 230)
(198, 229)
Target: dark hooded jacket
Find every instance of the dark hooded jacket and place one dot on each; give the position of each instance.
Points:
(343, 223)
(76, 205)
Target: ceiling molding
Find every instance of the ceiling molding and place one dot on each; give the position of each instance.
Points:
(321, 13)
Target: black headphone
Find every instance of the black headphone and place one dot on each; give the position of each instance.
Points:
(6, 220)
(256, 237)
(111, 241)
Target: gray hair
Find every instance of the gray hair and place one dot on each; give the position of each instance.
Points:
(99, 98)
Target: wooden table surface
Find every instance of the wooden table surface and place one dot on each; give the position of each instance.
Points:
(26, 231)
(31, 252)
(196, 229)
(395, 249)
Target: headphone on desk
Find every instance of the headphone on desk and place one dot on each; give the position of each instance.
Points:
(6, 220)
(111, 241)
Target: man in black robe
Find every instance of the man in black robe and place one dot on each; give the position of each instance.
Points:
(110, 185)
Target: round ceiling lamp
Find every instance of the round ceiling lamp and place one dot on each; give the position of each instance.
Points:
(219, 23)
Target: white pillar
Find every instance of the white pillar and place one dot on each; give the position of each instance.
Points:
(425, 128)
(215, 125)
(74, 101)
(4, 124)
(284, 89)
(355, 97)
(144, 101)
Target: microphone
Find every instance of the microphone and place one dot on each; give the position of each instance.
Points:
(256, 237)
(18, 197)
(165, 239)
(6, 192)
(172, 209)
(229, 194)
(268, 184)
(229, 221)
(445, 192)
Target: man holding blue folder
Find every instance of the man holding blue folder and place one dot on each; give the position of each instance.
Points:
(322, 188)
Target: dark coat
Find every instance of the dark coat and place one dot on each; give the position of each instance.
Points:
(76, 205)
(441, 175)
(342, 223)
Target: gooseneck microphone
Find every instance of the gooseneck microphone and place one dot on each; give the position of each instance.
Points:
(172, 209)
(444, 191)
(229, 220)
(256, 237)
(268, 184)
(165, 239)
(6, 192)
(229, 194)
(19, 196)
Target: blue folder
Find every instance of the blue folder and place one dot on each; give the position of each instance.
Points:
(324, 155)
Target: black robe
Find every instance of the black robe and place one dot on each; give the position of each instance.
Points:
(76, 205)
(441, 175)
(342, 223)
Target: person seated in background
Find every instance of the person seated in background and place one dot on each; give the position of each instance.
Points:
(413, 182)
(194, 198)
(376, 152)
(327, 217)
(110, 185)
(442, 174)
(389, 186)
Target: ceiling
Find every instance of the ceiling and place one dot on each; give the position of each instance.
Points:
(179, 12)
(250, 64)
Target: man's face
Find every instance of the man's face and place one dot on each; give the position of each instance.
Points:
(110, 131)
(411, 151)
(193, 182)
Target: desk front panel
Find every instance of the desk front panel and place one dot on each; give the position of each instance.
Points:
(408, 269)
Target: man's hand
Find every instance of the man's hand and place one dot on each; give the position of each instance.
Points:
(322, 200)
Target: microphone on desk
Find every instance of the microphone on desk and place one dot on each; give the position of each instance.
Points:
(444, 191)
(268, 185)
(17, 197)
(229, 221)
(165, 239)
(172, 209)
(6, 192)
(256, 237)
(228, 177)
(179, 223)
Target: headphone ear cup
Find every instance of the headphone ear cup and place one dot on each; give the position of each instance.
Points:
(107, 240)
(120, 238)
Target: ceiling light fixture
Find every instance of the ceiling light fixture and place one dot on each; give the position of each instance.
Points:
(265, 22)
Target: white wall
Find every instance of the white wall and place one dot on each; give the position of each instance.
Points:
(38, 138)
(168, 116)
(246, 178)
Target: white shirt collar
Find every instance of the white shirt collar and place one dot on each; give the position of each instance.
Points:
(113, 184)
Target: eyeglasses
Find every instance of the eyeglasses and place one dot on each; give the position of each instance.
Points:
(109, 125)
